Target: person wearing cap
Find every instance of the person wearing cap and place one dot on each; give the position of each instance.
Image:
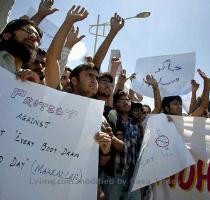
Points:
(172, 105)
(18, 45)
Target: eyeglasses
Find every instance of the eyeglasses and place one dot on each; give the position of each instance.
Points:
(30, 32)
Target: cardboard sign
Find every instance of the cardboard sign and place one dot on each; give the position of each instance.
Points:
(172, 72)
(47, 146)
(163, 152)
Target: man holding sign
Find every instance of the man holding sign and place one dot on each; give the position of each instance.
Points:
(18, 44)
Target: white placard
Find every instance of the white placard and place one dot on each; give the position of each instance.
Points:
(47, 146)
(172, 72)
(163, 152)
(193, 182)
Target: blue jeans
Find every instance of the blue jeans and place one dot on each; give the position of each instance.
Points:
(116, 188)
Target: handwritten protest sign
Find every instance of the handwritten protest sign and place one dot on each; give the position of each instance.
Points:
(172, 72)
(193, 182)
(47, 147)
(163, 152)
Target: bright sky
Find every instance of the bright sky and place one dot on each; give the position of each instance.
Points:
(175, 26)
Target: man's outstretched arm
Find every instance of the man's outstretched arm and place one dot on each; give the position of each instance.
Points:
(116, 24)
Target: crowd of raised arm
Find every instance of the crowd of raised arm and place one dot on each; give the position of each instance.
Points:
(122, 129)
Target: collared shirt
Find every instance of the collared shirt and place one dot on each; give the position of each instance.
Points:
(123, 162)
(7, 61)
(133, 141)
(126, 161)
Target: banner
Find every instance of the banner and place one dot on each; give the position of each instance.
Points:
(47, 146)
(172, 72)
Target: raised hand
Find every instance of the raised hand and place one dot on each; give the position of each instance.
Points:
(117, 23)
(77, 13)
(46, 7)
(122, 78)
(116, 62)
(73, 37)
(195, 85)
(150, 80)
(132, 77)
(202, 74)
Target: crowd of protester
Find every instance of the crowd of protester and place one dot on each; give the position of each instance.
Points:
(124, 119)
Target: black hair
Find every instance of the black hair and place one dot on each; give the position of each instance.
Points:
(118, 95)
(68, 69)
(76, 71)
(107, 75)
(136, 104)
(15, 25)
(41, 51)
(167, 100)
(147, 106)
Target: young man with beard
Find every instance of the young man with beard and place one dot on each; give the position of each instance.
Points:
(84, 78)
(84, 82)
(18, 44)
